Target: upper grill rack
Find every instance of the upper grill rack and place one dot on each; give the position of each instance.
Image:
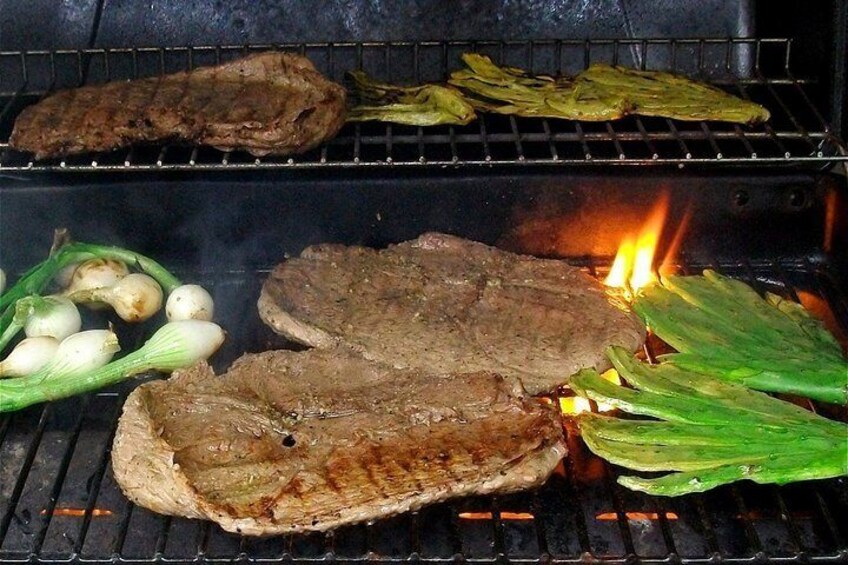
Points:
(756, 69)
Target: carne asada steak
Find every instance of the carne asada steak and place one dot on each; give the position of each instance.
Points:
(295, 441)
(448, 304)
(267, 103)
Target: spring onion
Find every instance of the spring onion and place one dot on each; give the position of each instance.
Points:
(37, 278)
(175, 345)
(81, 353)
(2, 281)
(189, 302)
(96, 273)
(135, 297)
(63, 277)
(53, 316)
(721, 326)
(28, 356)
(709, 432)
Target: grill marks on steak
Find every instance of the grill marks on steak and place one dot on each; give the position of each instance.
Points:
(267, 103)
(290, 442)
(449, 304)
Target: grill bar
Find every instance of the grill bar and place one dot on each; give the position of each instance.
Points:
(13, 497)
(795, 123)
(786, 517)
(837, 537)
(60, 477)
(798, 133)
(96, 482)
(551, 143)
(754, 542)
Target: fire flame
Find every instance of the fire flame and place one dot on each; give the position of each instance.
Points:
(576, 404)
(633, 267)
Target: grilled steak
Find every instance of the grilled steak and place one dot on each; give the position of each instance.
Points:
(290, 442)
(267, 103)
(449, 304)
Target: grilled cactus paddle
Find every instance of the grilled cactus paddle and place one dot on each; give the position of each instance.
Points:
(710, 432)
(722, 327)
(512, 91)
(425, 105)
(601, 92)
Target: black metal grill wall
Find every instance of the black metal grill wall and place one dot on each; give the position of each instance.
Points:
(765, 204)
(43, 24)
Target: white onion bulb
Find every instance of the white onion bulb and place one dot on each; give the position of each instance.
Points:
(59, 318)
(96, 273)
(181, 344)
(65, 275)
(83, 352)
(189, 302)
(30, 355)
(135, 298)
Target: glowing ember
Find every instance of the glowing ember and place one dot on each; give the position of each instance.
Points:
(488, 516)
(633, 267)
(77, 512)
(605, 516)
(831, 213)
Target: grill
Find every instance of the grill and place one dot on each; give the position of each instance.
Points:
(60, 503)
(756, 69)
(764, 203)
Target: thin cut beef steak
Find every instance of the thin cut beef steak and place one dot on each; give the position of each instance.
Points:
(450, 305)
(267, 103)
(290, 442)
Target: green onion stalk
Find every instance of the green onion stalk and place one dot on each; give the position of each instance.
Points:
(175, 345)
(707, 432)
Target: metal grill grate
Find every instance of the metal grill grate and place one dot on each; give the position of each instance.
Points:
(756, 69)
(59, 501)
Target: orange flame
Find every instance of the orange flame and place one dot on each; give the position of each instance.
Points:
(667, 267)
(633, 267)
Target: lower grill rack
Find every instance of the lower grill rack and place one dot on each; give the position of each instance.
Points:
(59, 501)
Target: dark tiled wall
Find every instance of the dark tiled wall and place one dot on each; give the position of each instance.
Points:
(46, 24)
